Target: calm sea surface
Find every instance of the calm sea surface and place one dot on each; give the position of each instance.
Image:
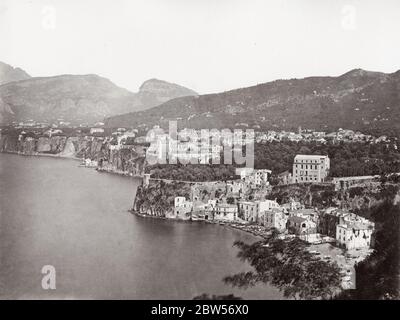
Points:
(54, 213)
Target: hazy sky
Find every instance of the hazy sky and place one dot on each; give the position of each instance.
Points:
(207, 45)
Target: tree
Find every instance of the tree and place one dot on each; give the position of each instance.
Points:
(289, 266)
(378, 276)
(304, 150)
(230, 200)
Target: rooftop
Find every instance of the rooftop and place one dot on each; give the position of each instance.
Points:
(297, 219)
(306, 156)
(355, 178)
(304, 211)
(357, 226)
(226, 205)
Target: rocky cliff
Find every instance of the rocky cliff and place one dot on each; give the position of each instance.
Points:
(152, 93)
(128, 160)
(358, 198)
(157, 198)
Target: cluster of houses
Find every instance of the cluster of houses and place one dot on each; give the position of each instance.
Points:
(59, 123)
(346, 229)
(333, 225)
(344, 135)
(189, 144)
(306, 135)
(193, 146)
(166, 149)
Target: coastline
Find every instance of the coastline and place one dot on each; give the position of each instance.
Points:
(59, 156)
(261, 235)
(38, 154)
(254, 230)
(101, 212)
(118, 172)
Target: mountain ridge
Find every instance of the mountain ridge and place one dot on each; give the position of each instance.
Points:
(355, 99)
(78, 99)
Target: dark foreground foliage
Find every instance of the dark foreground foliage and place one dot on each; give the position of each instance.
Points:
(378, 276)
(289, 266)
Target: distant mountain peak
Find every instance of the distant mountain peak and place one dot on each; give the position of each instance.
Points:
(77, 98)
(156, 85)
(358, 72)
(9, 73)
(152, 80)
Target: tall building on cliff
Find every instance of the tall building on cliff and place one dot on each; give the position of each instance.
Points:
(310, 168)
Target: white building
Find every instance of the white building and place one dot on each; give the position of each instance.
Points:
(292, 206)
(310, 168)
(254, 177)
(225, 212)
(251, 209)
(243, 172)
(301, 225)
(275, 218)
(260, 177)
(234, 187)
(52, 132)
(355, 234)
(182, 208)
(96, 130)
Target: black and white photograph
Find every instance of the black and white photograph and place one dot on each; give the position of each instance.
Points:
(199, 150)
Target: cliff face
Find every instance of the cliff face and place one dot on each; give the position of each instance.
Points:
(157, 198)
(27, 145)
(151, 93)
(52, 145)
(358, 198)
(129, 160)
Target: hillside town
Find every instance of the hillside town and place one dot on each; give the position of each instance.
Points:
(201, 155)
(344, 135)
(300, 135)
(334, 233)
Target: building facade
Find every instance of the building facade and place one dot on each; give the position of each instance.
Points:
(251, 210)
(301, 226)
(96, 130)
(285, 178)
(182, 208)
(225, 212)
(329, 219)
(354, 235)
(275, 218)
(344, 183)
(310, 168)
